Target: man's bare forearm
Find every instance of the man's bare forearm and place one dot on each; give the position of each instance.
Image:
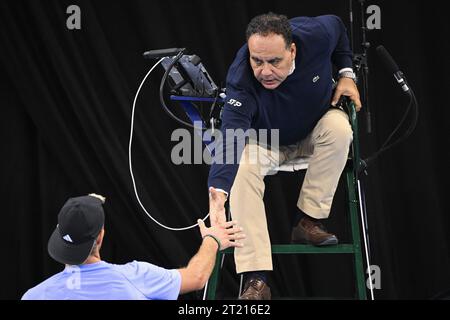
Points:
(199, 268)
(202, 263)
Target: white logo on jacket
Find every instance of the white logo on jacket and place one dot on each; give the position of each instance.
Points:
(234, 103)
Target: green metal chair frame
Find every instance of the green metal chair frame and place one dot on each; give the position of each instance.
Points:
(351, 173)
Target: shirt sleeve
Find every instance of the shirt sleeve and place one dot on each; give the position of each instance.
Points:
(342, 56)
(237, 114)
(154, 282)
(29, 295)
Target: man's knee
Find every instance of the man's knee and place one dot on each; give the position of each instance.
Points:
(342, 134)
(336, 130)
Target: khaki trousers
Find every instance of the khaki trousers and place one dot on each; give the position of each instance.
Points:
(327, 146)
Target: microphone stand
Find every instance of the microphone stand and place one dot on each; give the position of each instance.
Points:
(361, 64)
(362, 75)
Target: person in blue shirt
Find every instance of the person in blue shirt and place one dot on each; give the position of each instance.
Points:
(282, 79)
(77, 240)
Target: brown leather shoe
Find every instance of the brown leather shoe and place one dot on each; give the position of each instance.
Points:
(311, 232)
(255, 289)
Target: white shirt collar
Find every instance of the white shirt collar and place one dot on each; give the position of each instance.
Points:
(292, 68)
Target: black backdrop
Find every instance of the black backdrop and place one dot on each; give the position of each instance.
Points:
(66, 100)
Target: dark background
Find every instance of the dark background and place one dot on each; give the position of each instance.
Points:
(66, 100)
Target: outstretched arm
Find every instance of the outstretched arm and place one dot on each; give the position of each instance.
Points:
(199, 268)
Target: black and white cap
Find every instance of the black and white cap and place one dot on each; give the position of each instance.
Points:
(80, 221)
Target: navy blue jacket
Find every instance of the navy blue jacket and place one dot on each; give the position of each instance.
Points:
(298, 103)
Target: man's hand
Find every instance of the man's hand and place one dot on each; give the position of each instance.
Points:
(347, 87)
(199, 268)
(217, 201)
(227, 233)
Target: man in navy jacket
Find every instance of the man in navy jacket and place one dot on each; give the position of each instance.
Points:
(282, 81)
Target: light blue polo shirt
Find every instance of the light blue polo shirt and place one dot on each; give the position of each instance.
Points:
(105, 281)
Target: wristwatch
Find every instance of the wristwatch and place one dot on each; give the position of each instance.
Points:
(348, 74)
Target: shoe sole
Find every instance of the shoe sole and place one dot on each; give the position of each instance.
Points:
(266, 296)
(328, 242)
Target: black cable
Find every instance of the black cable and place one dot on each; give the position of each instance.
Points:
(405, 116)
(411, 127)
(412, 105)
(214, 104)
(351, 25)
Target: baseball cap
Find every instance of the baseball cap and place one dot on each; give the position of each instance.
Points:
(80, 221)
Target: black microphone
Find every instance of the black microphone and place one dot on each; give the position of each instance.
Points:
(392, 67)
(156, 54)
